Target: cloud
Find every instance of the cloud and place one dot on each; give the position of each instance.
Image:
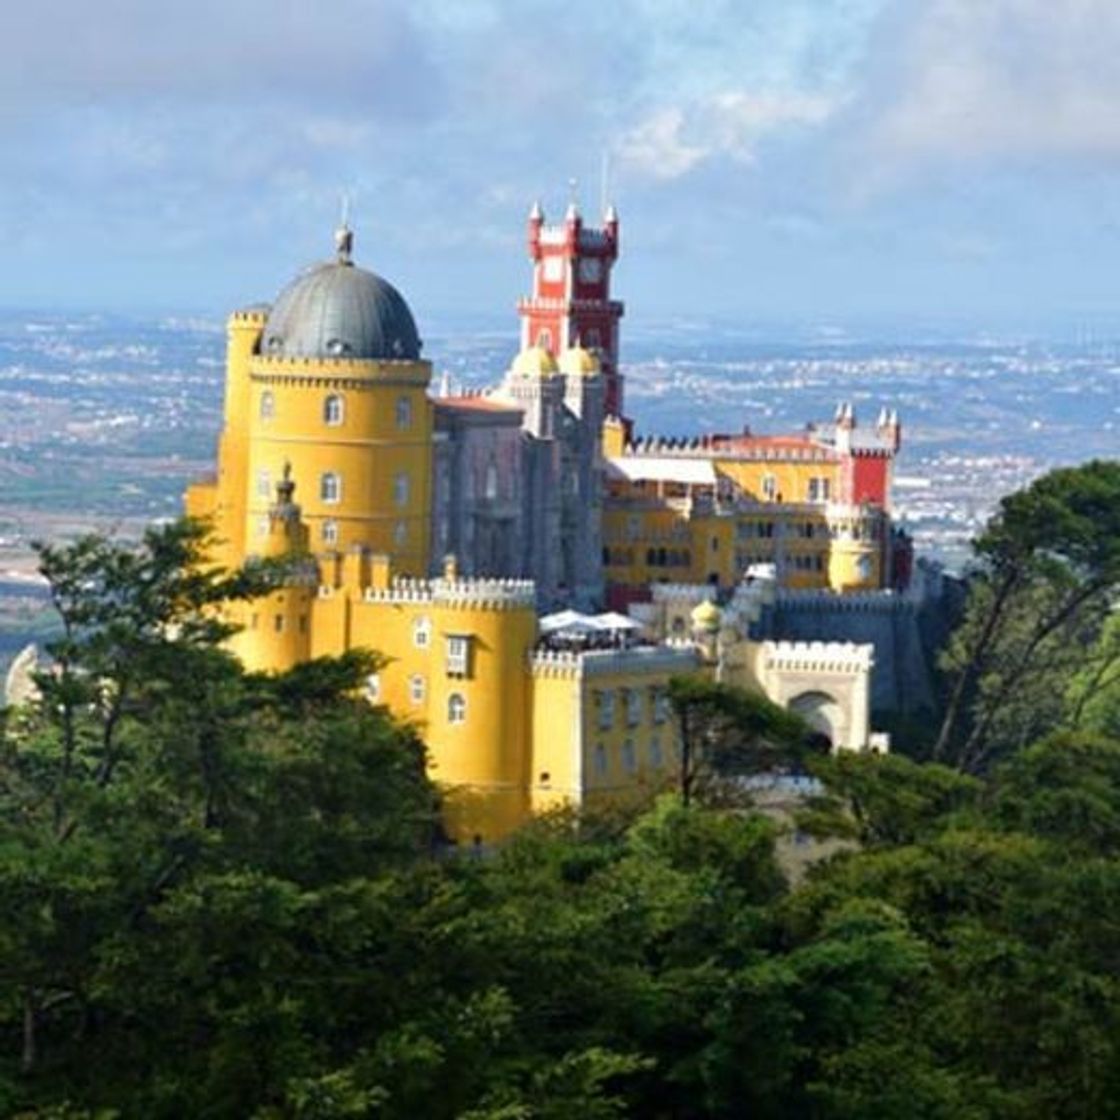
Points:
(366, 54)
(997, 80)
(671, 141)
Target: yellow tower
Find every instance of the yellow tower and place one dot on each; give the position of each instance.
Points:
(336, 388)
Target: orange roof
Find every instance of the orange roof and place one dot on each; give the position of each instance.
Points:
(745, 445)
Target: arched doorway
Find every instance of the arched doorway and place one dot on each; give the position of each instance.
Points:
(824, 715)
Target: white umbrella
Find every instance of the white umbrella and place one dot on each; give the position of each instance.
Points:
(567, 621)
(612, 620)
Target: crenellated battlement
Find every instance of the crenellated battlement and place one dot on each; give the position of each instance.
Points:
(675, 658)
(484, 594)
(818, 657)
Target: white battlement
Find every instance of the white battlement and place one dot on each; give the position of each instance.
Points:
(682, 592)
(818, 657)
(495, 594)
(607, 662)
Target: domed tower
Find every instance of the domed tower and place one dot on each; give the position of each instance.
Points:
(333, 384)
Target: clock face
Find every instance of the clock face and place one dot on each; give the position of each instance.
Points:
(590, 269)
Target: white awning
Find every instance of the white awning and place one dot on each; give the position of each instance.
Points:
(612, 620)
(662, 468)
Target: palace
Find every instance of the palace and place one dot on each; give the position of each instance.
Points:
(471, 540)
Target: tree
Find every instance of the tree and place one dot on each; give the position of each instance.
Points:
(1048, 571)
(727, 732)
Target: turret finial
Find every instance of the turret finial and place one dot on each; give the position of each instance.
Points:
(344, 235)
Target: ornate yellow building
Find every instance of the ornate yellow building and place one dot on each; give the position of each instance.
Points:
(434, 529)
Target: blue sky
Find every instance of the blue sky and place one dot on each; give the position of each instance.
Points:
(895, 161)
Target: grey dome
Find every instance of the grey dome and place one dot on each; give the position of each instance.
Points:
(335, 310)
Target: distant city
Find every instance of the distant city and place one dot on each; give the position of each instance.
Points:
(104, 418)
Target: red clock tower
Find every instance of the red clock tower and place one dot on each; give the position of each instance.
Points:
(571, 303)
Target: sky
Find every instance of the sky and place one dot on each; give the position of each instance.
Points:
(905, 162)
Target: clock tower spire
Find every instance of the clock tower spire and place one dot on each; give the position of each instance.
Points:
(571, 302)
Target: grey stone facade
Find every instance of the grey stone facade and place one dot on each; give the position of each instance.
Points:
(517, 484)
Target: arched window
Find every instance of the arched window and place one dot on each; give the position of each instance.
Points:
(769, 487)
(422, 632)
(404, 412)
(456, 708)
(400, 489)
(330, 531)
(333, 410)
(267, 405)
(330, 487)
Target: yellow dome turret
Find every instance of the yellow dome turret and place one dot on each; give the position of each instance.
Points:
(535, 361)
(706, 616)
(579, 362)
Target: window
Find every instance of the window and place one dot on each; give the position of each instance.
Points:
(264, 484)
(655, 756)
(278, 623)
(333, 410)
(400, 489)
(268, 405)
(544, 338)
(490, 490)
(253, 621)
(404, 412)
(633, 707)
(629, 757)
(262, 526)
(592, 340)
(606, 709)
(422, 632)
(400, 533)
(600, 759)
(458, 655)
(456, 708)
(373, 687)
(417, 689)
(330, 487)
(660, 706)
(769, 487)
(329, 531)
(818, 489)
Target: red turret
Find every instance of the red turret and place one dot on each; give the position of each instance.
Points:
(571, 292)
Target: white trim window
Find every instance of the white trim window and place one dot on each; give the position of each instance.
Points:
(329, 531)
(264, 484)
(819, 489)
(456, 708)
(417, 689)
(458, 655)
(422, 632)
(404, 413)
(266, 410)
(373, 687)
(334, 410)
(769, 487)
(330, 487)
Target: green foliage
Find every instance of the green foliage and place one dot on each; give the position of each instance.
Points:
(221, 900)
(726, 734)
(1048, 576)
